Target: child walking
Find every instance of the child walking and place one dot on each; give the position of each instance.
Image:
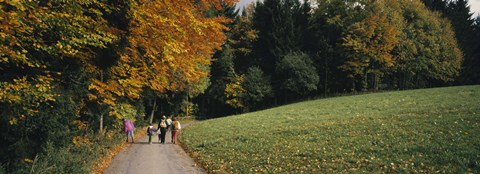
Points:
(175, 128)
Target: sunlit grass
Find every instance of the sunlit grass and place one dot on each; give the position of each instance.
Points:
(417, 131)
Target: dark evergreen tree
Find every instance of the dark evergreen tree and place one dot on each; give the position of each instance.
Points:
(471, 70)
(222, 72)
(213, 102)
(297, 76)
(436, 5)
(282, 29)
(302, 17)
(327, 25)
(242, 39)
(257, 89)
(278, 31)
(463, 24)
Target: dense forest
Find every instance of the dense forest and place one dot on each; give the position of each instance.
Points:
(282, 51)
(72, 69)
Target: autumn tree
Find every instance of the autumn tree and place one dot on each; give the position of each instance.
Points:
(234, 93)
(427, 51)
(368, 44)
(48, 51)
(462, 20)
(170, 48)
(65, 62)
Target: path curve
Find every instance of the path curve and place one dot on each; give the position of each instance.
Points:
(141, 157)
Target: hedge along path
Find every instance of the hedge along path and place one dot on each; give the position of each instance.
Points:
(141, 157)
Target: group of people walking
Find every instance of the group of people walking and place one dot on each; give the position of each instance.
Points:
(165, 125)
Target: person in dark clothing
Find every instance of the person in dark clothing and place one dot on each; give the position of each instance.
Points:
(162, 125)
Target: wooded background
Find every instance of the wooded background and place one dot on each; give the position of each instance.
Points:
(72, 69)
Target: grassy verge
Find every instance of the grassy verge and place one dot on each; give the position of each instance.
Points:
(417, 131)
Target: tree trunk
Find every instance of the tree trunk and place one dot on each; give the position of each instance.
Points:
(101, 115)
(150, 120)
(353, 85)
(188, 103)
(326, 79)
(365, 82)
(275, 102)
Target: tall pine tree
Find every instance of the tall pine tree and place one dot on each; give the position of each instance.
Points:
(282, 29)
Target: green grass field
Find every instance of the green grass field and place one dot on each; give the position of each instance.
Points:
(416, 131)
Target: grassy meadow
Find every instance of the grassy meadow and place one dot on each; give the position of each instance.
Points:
(415, 131)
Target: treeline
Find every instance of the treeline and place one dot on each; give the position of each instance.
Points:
(282, 51)
(72, 69)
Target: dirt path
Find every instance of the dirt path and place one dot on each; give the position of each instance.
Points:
(145, 158)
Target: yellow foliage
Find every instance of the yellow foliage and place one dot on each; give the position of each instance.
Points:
(124, 110)
(81, 125)
(369, 43)
(234, 92)
(13, 121)
(27, 94)
(79, 141)
(28, 160)
(176, 42)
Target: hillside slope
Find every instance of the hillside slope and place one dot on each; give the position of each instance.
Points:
(425, 130)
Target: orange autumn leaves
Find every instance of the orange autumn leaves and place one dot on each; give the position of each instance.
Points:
(170, 48)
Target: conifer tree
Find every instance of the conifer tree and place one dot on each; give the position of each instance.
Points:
(276, 22)
(282, 29)
(462, 21)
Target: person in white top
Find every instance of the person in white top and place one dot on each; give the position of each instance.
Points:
(169, 124)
